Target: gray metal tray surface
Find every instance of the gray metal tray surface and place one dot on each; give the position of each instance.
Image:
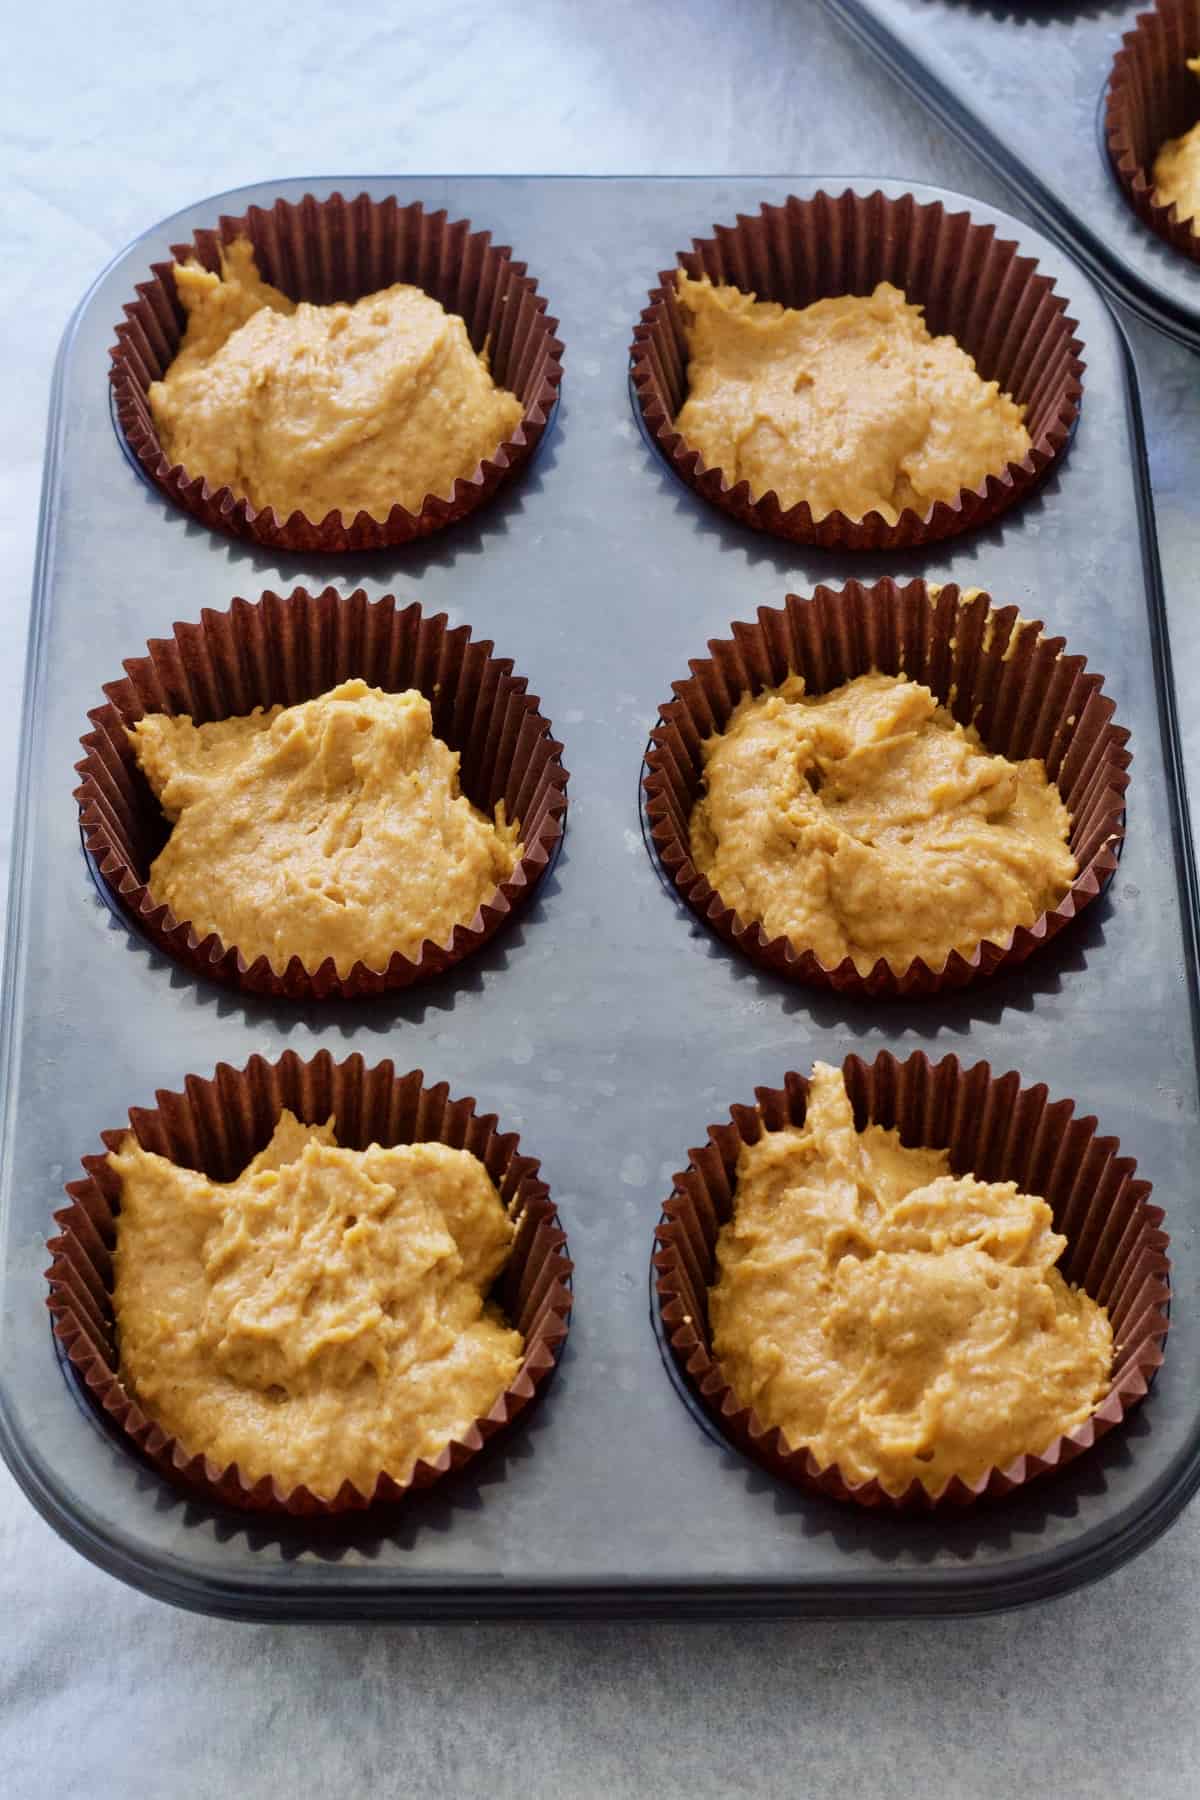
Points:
(607, 1026)
(1023, 82)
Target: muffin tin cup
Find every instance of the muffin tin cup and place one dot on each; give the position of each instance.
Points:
(991, 668)
(284, 650)
(971, 284)
(1153, 96)
(998, 1130)
(218, 1125)
(337, 249)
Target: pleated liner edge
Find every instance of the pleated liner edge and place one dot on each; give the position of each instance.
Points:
(217, 1125)
(971, 284)
(338, 249)
(993, 668)
(1153, 96)
(994, 1128)
(286, 649)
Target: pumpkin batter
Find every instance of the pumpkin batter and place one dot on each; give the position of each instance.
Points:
(901, 1321)
(321, 1318)
(1177, 168)
(320, 409)
(849, 404)
(868, 823)
(332, 828)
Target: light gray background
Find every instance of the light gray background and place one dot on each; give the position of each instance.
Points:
(108, 120)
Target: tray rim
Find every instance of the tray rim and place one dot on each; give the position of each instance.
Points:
(947, 1591)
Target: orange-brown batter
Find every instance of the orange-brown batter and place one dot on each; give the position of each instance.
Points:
(322, 409)
(868, 823)
(332, 828)
(321, 1318)
(1177, 168)
(848, 404)
(899, 1320)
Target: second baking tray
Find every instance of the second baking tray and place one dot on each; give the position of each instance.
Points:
(1023, 84)
(607, 1026)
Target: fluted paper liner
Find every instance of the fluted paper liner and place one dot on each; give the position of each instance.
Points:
(1153, 96)
(991, 668)
(338, 249)
(286, 649)
(973, 285)
(994, 1128)
(218, 1125)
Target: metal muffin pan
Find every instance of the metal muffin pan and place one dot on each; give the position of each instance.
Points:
(605, 1025)
(1023, 83)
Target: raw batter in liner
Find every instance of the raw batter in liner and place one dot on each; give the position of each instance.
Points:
(1177, 168)
(322, 1317)
(899, 1320)
(848, 404)
(322, 409)
(332, 828)
(867, 823)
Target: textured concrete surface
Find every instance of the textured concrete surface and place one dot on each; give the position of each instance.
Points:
(106, 124)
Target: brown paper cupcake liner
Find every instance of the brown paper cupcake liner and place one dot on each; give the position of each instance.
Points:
(991, 668)
(218, 1125)
(338, 249)
(286, 649)
(971, 284)
(998, 1130)
(1153, 96)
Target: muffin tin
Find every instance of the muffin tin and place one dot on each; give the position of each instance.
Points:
(1024, 84)
(605, 1025)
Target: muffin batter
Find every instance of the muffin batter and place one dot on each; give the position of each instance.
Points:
(901, 1321)
(321, 1318)
(1177, 168)
(868, 823)
(332, 828)
(849, 404)
(320, 409)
